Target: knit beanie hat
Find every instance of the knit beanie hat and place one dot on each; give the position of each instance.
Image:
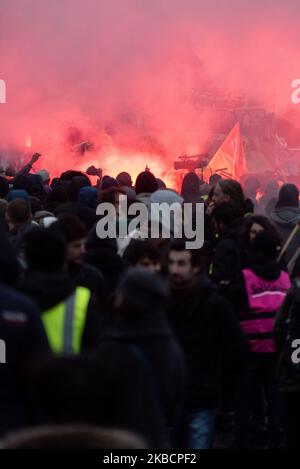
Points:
(143, 292)
(145, 182)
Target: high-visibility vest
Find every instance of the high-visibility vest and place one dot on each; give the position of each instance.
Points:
(64, 324)
(265, 297)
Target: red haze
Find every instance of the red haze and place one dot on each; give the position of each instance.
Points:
(125, 72)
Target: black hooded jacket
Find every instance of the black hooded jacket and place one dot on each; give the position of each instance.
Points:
(86, 215)
(24, 337)
(154, 336)
(287, 329)
(210, 336)
(23, 334)
(285, 218)
(48, 290)
(226, 259)
(103, 254)
(149, 343)
(58, 196)
(88, 276)
(134, 381)
(9, 267)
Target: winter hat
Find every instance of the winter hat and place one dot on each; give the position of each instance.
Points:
(143, 292)
(164, 216)
(58, 194)
(74, 187)
(166, 196)
(160, 184)
(35, 184)
(145, 182)
(288, 196)
(124, 179)
(265, 244)
(88, 197)
(44, 174)
(17, 194)
(108, 182)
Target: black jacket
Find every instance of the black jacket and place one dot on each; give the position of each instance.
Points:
(17, 238)
(88, 276)
(22, 330)
(285, 218)
(10, 268)
(86, 215)
(48, 290)
(287, 328)
(211, 339)
(226, 258)
(152, 335)
(134, 381)
(103, 254)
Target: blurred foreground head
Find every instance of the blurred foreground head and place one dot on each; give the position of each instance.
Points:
(145, 183)
(124, 179)
(72, 437)
(288, 196)
(45, 250)
(141, 292)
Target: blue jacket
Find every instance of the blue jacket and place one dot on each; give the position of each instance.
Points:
(23, 339)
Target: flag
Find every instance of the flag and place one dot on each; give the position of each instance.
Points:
(229, 160)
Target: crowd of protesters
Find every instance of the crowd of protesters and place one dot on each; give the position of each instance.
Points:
(133, 342)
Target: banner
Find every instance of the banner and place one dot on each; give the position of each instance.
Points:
(229, 160)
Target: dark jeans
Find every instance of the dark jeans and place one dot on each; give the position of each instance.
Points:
(200, 428)
(257, 379)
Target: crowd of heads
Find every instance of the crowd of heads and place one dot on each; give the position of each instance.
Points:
(48, 228)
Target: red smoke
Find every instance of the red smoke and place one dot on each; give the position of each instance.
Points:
(126, 73)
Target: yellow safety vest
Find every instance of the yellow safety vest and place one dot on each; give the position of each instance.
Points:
(64, 324)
